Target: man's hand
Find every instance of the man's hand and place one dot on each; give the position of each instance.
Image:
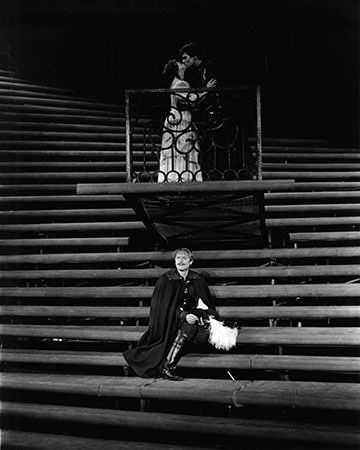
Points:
(211, 83)
(191, 319)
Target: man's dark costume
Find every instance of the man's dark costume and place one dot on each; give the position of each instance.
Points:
(221, 125)
(173, 298)
(198, 76)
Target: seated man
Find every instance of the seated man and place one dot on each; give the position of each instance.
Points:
(180, 308)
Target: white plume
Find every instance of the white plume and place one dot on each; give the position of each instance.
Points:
(221, 336)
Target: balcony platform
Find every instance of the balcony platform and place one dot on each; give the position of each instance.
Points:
(204, 187)
(177, 214)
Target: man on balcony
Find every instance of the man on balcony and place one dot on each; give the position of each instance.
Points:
(198, 72)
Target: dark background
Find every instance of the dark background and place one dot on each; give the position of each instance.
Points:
(304, 53)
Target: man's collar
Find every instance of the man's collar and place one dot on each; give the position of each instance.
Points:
(173, 274)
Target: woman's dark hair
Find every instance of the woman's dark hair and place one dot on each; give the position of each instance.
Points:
(170, 70)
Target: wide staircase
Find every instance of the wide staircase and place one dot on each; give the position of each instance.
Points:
(77, 274)
(324, 208)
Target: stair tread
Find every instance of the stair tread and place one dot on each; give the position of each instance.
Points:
(16, 82)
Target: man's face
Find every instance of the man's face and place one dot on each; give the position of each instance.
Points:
(187, 60)
(182, 261)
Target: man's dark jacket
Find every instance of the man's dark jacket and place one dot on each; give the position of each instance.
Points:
(147, 357)
(198, 77)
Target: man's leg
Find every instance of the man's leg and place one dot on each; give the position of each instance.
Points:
(185, 333)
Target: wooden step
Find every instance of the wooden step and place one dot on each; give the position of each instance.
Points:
(269, 197)
(39, 189)
(311, 167)
(292, 336)
(323, 185)
(56, 117)
(325, 236)
(81, 213)
(70, 155)
(23, 93)
(65, 177)
(121, 213)
(44, 441)
(293, 394)
(58, 135)
(27, 145)
(310, 208)
(71, 103)
(204, 361)
(272, 197)
(349, 156)
(265, 291)
(120, 226)
(17, 83)
(284, 175)
(349, 221)
(74, 165)
(306, 271)
(318, 196)
(313, 150)
(313, 221)
(55, 109)
(66, 242)
(258, 255)
(14, 126)
(213, 427)
(7, 73)
(117, 136)
(226, 312)
(56, 199)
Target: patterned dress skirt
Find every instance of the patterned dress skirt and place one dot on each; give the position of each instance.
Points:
(179, 154)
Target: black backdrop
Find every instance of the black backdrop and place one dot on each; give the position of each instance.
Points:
(305, 53)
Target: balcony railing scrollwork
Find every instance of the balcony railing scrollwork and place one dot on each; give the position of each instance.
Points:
(189, 135)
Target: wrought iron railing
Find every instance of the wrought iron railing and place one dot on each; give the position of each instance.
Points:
(193, 134)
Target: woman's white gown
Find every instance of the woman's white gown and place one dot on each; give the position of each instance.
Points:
(179, 154)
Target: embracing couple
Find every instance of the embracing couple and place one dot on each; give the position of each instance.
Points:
(179, 155)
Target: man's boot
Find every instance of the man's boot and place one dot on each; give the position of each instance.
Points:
(169, 368)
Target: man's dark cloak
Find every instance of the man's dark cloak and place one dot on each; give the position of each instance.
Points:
(198, 76)
(220, 126)
(147, 357)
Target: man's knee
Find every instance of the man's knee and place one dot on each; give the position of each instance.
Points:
(195, 333)
(189, 329)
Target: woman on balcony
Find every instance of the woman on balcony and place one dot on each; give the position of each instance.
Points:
(179, 154)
